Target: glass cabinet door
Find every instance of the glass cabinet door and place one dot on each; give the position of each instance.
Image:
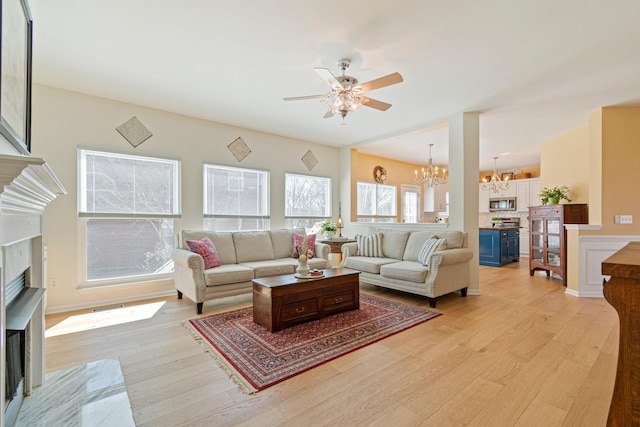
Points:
(537, 226)
(553, 226)
(553, 242)
(537, 240)
(537, 255)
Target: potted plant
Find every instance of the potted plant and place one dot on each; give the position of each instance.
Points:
(553, 196)
(328, 229)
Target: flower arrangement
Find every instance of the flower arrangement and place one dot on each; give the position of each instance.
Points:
(303, 251)
(552, 196)
(328, 227)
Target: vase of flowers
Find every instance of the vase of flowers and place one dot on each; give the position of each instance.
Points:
(303, 267)
(304, 253)
(328, 229)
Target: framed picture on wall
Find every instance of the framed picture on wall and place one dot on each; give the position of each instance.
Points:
(15, 74)
(507, 176)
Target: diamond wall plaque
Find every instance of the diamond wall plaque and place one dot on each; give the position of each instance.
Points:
(134, 131)
(309, 160)
(239, 149)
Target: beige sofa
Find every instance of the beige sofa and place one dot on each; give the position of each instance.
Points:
(448, 271)
(244, 255)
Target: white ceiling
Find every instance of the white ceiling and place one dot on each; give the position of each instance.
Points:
(533, 69)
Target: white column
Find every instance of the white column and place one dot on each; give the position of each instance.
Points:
(464, 141)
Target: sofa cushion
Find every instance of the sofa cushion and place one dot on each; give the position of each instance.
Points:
(296, 244)
(207, 250)
(369, 246)
(281, 241)
(253, 246)
(366, 264)
(405, 270)
(228, 273)
(415, 242)
(455, 239)
(431, 245)
(269, 268)
(393, 243)
(223, 242)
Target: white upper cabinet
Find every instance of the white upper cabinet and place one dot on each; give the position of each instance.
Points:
(527, 193)
(483, 198)
(435, 198)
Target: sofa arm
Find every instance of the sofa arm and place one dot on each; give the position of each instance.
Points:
(454, 256)
(189, 274)
(322, 250)
(349, 249)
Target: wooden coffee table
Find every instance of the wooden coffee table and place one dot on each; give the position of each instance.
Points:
(280, 301)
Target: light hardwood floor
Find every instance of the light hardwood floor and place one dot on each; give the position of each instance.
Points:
(522, 354)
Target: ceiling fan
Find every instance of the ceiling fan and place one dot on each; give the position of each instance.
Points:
(346, 94)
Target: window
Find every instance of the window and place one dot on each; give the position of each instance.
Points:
(410, 203)
(128, 205)
(235, 199)
(376, 202)
(307, 200)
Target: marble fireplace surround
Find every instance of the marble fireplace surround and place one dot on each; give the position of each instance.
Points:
(27, 186)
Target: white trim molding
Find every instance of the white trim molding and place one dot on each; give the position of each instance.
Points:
(592, 251)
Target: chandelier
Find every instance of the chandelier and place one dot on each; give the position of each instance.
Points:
(495, 184)
(430, 175)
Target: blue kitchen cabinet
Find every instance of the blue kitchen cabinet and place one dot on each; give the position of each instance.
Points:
(499, 246)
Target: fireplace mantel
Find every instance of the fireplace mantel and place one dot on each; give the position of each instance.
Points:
(27, 186)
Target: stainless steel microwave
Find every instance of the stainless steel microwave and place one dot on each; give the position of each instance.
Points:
(502, 204)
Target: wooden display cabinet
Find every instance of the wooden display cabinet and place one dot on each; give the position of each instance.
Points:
(547, 236)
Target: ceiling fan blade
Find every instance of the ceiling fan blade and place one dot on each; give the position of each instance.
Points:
(298, 98)
(374, 103)
(328, 77)
(388, 80)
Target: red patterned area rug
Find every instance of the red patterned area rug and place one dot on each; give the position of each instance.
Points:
(256, 358)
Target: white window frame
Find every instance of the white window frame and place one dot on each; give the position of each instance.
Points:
(374, 217)
(84, 215)
(264, 215)
(413, 189)
(309, 220)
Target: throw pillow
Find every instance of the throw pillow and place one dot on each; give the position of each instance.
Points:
(431, 245)
(297, 241)
(370, 246)
(207, 250)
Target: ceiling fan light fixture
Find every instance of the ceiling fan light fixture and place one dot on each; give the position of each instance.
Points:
(346, 94)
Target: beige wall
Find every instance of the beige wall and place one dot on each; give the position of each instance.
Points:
(64, 120)
(398, 173)
(620, 173)
(565, 161)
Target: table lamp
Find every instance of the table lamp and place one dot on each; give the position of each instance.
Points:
(339, 225)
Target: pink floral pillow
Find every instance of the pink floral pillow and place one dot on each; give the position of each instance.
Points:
(297, 241)
(207, 250)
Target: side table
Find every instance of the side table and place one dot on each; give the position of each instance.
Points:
(336, 245)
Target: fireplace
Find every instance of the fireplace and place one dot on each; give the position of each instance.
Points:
(27, 186)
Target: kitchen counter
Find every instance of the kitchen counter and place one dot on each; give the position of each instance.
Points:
(622, 291)
(500, 228)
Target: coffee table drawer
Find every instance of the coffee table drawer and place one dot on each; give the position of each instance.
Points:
(338, 301)
(299, 310)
